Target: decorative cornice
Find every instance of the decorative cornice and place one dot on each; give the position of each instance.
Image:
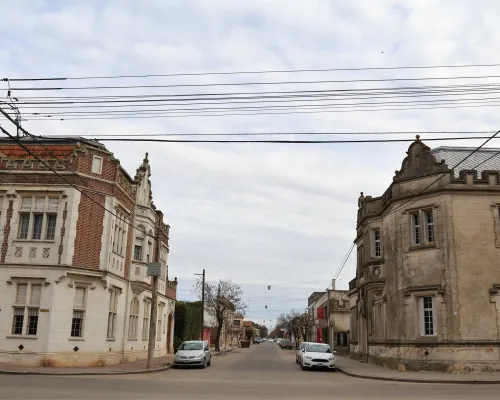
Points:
(424, 288)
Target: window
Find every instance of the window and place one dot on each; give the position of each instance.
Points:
(97, 165)
(119, 238)
(133, 319)
(236, 322)
(429, 226)
(158, 327)
(376, 249)
(138, 253)
(37, 218)
(113, 308)
(427, 307)
(422, 227)
(78, 312)
(24, 306)
(145, 320)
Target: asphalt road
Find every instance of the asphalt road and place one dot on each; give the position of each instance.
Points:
(259, 373)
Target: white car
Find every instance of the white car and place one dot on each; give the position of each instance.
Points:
(193, 353)
(318, 355)
(300, 351)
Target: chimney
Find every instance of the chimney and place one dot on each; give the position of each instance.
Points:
(333, 284)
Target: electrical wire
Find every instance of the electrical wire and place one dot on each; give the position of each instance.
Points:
(262, 83)
(283, 71)
(49, 117)
(154, 140)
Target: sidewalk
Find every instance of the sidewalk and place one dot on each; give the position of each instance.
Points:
(369, 371)
(136, 367)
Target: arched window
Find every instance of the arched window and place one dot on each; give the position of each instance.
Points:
(133, 319)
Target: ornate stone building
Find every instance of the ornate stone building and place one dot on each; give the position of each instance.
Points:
(74, 253)
(426, 294)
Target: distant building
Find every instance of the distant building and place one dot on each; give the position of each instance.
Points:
(329, 317)
(427, 290)
(75, 289)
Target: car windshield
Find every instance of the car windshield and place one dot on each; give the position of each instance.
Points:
(285, 341)
(191, 346)
(318, 348)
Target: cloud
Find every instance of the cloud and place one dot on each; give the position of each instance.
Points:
(259, 214)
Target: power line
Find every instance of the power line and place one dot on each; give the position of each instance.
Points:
(279, 141)
(282, 71)
(98, 135)
(279, 112)
(224, 84)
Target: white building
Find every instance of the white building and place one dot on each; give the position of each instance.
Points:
(73, 257)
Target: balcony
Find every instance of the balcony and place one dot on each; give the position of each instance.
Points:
(352, 284)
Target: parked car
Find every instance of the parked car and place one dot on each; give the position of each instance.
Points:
(256, 341)
(278, 341)
(318, 355)
(286, 344)
(193, 353)
(300, 351)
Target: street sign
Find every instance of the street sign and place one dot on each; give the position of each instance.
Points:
(154, 269)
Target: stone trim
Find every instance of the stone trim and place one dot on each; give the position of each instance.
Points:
(439, 289)
(6, 231)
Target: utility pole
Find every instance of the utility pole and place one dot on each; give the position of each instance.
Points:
(154, 304)
(202, 303)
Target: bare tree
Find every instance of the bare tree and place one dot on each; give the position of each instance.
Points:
(221, 300)
(294, 322)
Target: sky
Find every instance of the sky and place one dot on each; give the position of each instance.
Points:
(259, 214)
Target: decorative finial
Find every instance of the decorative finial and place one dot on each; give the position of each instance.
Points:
(146, 158)
(361, 193)
(418, 139)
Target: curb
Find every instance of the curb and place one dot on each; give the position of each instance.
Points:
(409, 380)
(145, 371)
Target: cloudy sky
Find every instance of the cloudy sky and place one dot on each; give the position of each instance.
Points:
(260, 214)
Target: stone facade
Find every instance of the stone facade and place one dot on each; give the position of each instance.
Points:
(74, 285)
(426, 293)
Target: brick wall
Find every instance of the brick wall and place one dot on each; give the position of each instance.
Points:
(89, 231)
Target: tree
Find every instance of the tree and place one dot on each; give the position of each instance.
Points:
(249, 334)
(294, 322)
(221, 300)
(263, 331)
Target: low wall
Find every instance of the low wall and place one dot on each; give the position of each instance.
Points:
(444, 357)
(86, 359)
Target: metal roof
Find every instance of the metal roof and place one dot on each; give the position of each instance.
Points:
(482, 159)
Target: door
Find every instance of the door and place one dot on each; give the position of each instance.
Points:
(169, 334)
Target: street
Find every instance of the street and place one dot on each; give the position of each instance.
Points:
(262, 372)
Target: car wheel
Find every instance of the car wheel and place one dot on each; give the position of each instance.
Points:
(209, 363)
(204, 364)
(296, 360)
(302, 367)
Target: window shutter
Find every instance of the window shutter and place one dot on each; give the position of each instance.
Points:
(40, 203)
(36, 293)
(53, 204)
(434, 317)
(22, 291)
(79, 297)
(26, 203)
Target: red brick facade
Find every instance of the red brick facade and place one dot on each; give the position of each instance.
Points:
(73, 159)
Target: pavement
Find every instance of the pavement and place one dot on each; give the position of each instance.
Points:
(261, 372)
(136, 367)
(369, 371)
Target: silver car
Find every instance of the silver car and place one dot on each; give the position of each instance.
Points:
(318, 355)
(193, 353)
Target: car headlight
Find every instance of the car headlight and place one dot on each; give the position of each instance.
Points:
(332, 358)
(200, 355)
(176, 355)
(307, 357)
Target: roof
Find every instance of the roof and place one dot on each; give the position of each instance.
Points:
(481, 160)
(44, 148)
